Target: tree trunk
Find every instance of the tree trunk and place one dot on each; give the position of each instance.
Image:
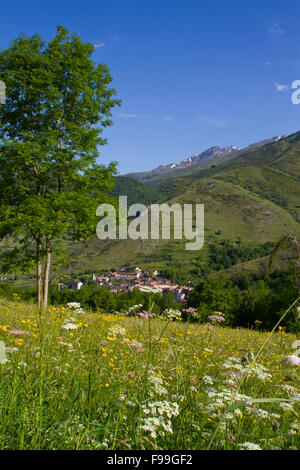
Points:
(39, 271)
(46, 273)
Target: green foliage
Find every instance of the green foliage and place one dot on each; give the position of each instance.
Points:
(96, 298)
(216, 294)
(250, 301)
(58, 102)
(136, 192)
(226, 254)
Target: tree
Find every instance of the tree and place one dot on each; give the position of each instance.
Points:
(58, 100)
(216, 294)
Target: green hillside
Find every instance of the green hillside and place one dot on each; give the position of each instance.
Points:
(277, 187)
(283, 156)
(240, 225)
(250, 202)
(135, 191)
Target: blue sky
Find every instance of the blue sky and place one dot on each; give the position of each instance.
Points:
(191, 74)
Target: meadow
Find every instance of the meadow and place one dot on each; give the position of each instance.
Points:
(74, 379)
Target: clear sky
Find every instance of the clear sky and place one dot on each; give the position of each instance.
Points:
(191, 73)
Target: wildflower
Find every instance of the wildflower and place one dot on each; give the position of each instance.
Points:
(3, 358)
(249, 446)
(158, 385)
(208, 380)
(180, 398)
(73, 305)
(231, 383)
(104, 444)
(172, 314)
(262, 414)
(146, 315)
(69, 326)
(116, 330)
(22, 364)
(293, 360)
(76, 307)
(216, 318)
(131, 404)
(286, 406)
(132, 310)
(12, 350)
(159, 420)
(16, 332)
(135, 344)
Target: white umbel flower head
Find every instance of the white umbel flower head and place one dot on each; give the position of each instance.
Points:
(70, 326)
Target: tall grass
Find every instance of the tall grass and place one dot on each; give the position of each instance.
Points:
(119, 382)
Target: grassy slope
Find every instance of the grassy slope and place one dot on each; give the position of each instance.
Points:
(231, 212)
(283, 156)
(254, 198)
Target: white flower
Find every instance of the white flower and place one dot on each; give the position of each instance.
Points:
(3, 358)
(208, 380)
(104, 444)
(134, 307)
(180, 398)
(172, 314)
(259, 413)
(157, 382)
(116, 330)
(160, 420)
(11, 350)
(249, 446)
(69, 326)
(286, 406)
(22, 364)
(74, 305)
(295, 425)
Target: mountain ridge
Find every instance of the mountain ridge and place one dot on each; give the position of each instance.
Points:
(205, 159)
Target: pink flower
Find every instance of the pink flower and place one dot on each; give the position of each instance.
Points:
(176, 340)
(293, 360)
(231, 383)
(145, 315)
(216, 318)
(16, 332)
(189, 310)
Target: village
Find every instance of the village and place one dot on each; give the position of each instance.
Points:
(127, 279)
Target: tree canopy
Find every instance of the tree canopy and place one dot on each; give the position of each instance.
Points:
(58, 100)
